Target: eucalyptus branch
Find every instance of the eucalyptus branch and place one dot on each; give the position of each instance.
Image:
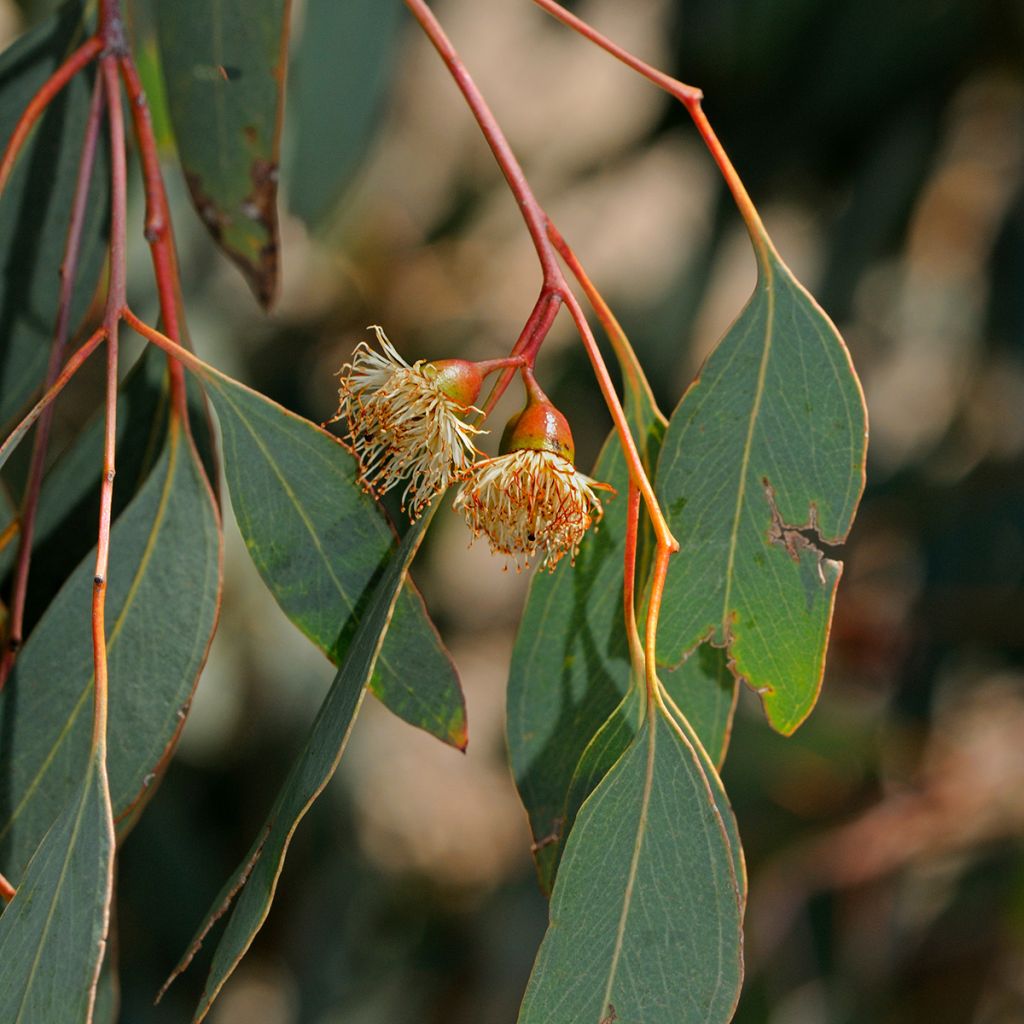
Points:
(555, 289)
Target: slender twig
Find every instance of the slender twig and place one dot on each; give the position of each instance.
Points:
(6, 890)
(49, 89)
(33, 485)
(71, 367)
(111, 321)
(690, 97)
(667, 82)
(169, 345)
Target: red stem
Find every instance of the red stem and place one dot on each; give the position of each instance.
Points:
(686, 93)
(68, 270)
(690, 97)
(6, 890)
(47, 91)
(159, 232)
(528, 205)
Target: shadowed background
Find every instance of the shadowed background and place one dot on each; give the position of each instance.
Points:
(884, 145)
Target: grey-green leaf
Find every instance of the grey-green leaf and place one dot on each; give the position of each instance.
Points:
(52, 933)
(224, 67)
(339, 73)
(319, 542)
(646, 913)
(255, 881)
(763, 458)
(162, 597)
(36, 204)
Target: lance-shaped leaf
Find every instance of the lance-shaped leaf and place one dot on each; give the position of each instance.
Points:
(319, 542)
(36, 204)
(762, 460)
(52, 933)
(254, 882)
(646, 913)
(339, 74)
(162, 597)
(708, 691)
(224, 68)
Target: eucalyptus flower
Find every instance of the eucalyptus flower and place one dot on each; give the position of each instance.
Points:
(531, 500)
(407, 423)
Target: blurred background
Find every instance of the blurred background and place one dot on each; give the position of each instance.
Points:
(884, 145)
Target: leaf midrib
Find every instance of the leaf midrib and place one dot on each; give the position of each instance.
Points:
(768, 285)
(641, 832)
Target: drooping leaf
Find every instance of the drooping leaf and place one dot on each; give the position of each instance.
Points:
(52, 933)
(339, 73)
(646, 912)
(224, 68)
(254, 882)
(709, 696)
(36, 204)
(162, 596)
(319, 542)
(763, 459)
(570, 665)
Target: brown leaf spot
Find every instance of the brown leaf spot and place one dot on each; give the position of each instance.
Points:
(797, 539)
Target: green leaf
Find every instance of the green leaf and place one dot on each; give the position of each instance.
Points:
(224, 66)
(52, 933)
(709, 696)
(162, 596)
(764, 453)
(253, 884)
(36, 205)
(646, 913)
(319, 543)
(339, 74)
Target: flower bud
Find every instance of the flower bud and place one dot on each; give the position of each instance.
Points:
(459, 379)
(539, 427)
